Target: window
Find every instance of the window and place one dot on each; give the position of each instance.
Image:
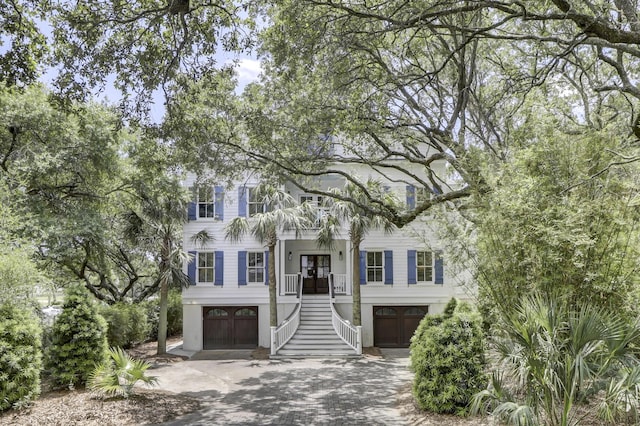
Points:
(254, 202)
(255, 267)
(206, 205)
(424, 265)
(206, 262)
(422, 194)
(374, 266)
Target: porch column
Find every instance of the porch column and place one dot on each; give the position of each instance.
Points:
(280, 266)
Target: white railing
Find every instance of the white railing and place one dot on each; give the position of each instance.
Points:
(340, 284)
(350, 334)
(291, 282)
(280, 335)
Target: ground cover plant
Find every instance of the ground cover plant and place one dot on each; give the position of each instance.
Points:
(118, 375)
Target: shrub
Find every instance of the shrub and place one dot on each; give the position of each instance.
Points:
(79, 339)
(127, 324)
(20, 356)
(447, 357)
(118, 375)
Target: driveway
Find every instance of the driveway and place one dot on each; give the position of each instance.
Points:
(290, 392)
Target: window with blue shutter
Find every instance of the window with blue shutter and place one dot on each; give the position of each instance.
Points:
(439, 268)
(242, 268)
(219, 202)
(411, 267)
(388, 267)
(363, 267)
(242, 201)
(266, 267)
(219, 268)
(411, 197)
(191, 267)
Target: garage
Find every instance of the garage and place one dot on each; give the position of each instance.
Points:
(393, 326)
(230, 327)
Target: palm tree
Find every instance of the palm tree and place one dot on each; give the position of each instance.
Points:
(347, 208)
(157, 227)
(282, 213)
(552, 355)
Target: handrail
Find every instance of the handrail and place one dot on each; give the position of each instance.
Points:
(284, 332)
(350, 334)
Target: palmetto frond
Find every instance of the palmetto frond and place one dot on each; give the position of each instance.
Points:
(118, 375)
(236, 229)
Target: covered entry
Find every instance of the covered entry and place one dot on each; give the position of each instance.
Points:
(393, 326)
(315, 273)
(230, 327)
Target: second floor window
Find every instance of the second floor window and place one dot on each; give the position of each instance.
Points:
(255, 267)
(424, 265)
(206, 204)
(255, 204)
(206, 262)
(374, 266)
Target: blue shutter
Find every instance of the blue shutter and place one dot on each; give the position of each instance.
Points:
(411, 197)
(266, 268)
(363, 267)
(191, 267)
(439, 268)
(388, 267)
(411, 267)
(192, 206)
(242, 268)
(242, 201)
(219, 268)
(219, 202)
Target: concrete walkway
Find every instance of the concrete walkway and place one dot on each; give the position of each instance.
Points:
(290, 392)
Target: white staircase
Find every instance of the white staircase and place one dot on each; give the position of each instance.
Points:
(315, 336)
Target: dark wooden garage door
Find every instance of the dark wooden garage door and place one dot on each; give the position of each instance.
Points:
(230, 327)
(393, 326)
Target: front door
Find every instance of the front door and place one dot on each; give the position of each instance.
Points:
(315, 273)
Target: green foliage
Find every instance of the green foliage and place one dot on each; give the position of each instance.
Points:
(447, 357)
(560, 217)
(117, 375)
(127, 324)
(79, 339)
(20, 355)
(174, 314)
(554, 355)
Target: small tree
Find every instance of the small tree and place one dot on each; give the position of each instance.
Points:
(20, 355)
(79, 339)
(447, 357)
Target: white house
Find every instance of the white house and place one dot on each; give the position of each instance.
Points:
(402, 277)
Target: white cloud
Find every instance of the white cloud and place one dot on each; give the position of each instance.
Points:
(248, 71)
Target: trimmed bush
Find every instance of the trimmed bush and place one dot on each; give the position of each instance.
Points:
(20, 356)
(79, 339)
(447, 357)
(127, 324)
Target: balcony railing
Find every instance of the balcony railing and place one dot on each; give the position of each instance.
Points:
(282, 334)
(291, 283)
(340, 283)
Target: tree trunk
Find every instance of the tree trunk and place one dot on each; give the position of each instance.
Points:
(273, 306)
(357, 309)
(162, 320)
(164, 296)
